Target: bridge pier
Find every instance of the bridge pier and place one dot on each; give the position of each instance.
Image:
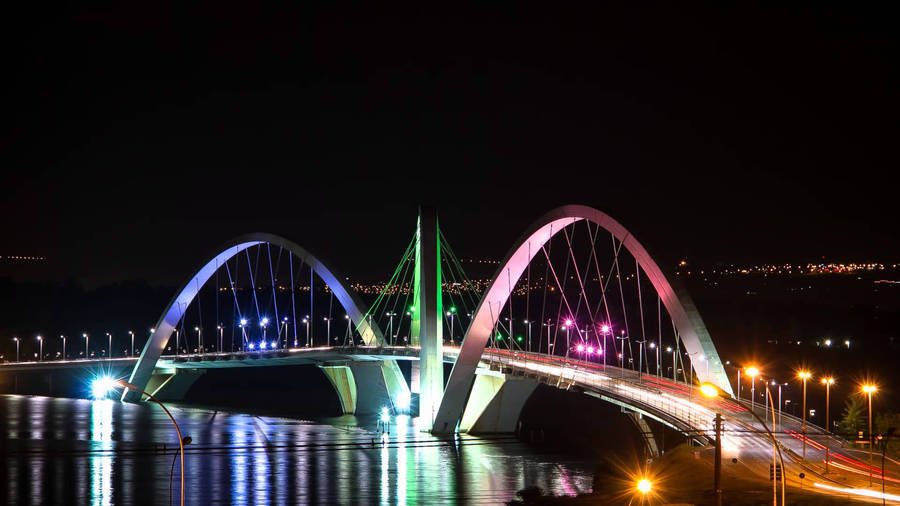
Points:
(646, 432)
(366, 387)
(173, 384)
(495, 403)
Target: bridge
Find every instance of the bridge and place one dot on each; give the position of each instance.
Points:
(593, 292)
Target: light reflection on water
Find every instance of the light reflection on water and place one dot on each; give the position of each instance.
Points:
(71, 451)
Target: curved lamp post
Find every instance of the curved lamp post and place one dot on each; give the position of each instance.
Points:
(124, 384)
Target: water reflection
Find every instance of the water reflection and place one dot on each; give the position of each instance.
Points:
(103, 452)
(101, 458)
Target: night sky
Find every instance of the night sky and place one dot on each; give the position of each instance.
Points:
(137, 138)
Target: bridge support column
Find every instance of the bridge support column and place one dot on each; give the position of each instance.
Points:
(173, 385)
(366, 387)
(646, 432)
(496, 402)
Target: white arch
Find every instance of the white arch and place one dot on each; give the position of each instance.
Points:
(687, 321)
(174, 311)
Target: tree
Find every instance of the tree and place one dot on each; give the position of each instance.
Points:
(853, 418)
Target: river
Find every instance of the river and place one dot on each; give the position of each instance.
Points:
(77, 451)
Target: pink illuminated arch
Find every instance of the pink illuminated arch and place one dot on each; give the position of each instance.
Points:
(687, 321)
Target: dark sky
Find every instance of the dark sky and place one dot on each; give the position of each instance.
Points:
(136, 138)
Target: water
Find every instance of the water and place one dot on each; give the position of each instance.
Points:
(75, 451)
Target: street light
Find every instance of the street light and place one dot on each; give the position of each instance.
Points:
(306, 323)
(64, 345)
(653, 346)
(391, 315)
(16, 339)
(132, 342)
(221, 329)
(804, 375)
(709, 390)
(264, 323)
(87, 340)
(869, 390)
(753, 372)
(102, 385)
(242, 324)
(452, 313)
(109, 355)
(327, 328)
(827, 382)
(347, 317)
(41, 355)
(674, 361)
(199, 339)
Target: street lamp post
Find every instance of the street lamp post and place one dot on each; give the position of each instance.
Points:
(177, 341)
(391, 316)
(452, 314)
(16, 339)
(827, 382)
(804, 375)
(243, 326)
(132, 342)
(869, 390)
(87, 340)
(306, 324)
(264, 323)
(752, 372)
(199, 339)
(708, 390)
(327, 327)
(64, 345)
(653, 346)
(181, 440)
(221, 329)
(41, 349)
(674, 362)
(109, 346)
(347, 317)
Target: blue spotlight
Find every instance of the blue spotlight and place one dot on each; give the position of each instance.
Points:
(251, 346)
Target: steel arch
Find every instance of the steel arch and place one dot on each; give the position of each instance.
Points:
(687, 321)
(174, 311)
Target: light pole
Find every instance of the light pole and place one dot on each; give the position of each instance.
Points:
(653, 346)
(16, 339)
(41, 352)
(566, 325)
(177, 341)
(199, 339)
(752, 372)
(306, 324)
(452, 315)
(391, 315)
(64, 345)
(674, 362)
(641, 360)
(708, 390)
(243, 326)
(327, 328)
(869, 390)
(264, 323)
(827, 382)
(221, 329)
(528, 334)
(132, 342)
(109, 346)
(181, 440)
(804, 375)
(347, 333)
(87, 340)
